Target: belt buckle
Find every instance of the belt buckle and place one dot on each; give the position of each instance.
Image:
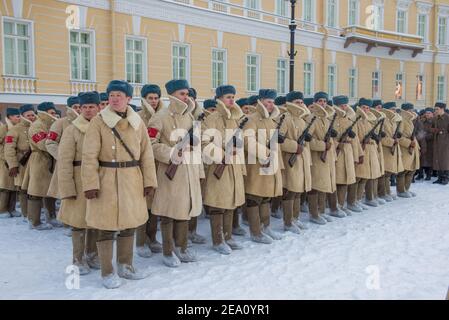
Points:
(122, 164)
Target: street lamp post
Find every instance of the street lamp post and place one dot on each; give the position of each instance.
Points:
(292, 53)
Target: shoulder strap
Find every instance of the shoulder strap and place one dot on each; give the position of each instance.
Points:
(117, 135)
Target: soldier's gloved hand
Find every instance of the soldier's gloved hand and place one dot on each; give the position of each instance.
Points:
(334, 133)
(13, 172)
(308, 137)
(375, 137)
(148, 191)
(299, 149)
(281, 138)
(383, 134)
(412, 144)
(399, 135)
(351, 134)
(361, 159)
(91, 194)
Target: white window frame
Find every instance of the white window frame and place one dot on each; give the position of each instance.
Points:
(225, 66)
(213, 6)
(31, 56)
(286, 18)
(286, 78)
(92, 55)
(313, 13)
(312, 79)
(378, 22)
(444, 93)
(144, 57)
(423, 86)
(379, 93)
(357, 13)
(257, 72)
(426, 26)
(187, 58)
(405, 20)
(255, 10)
(336, 2)
(332, 91)
(403, 78)
(350, 76)
(438, 32)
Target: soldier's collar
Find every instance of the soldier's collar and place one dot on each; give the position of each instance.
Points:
(297, 110)
(25, 121)
(146, 106)
(110, 118)
(81, 123)
(230, 113)
(46, 117)
(179, 107)
(71, 114)
(264, 112)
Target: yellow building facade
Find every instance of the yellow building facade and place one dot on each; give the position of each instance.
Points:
(397, 50)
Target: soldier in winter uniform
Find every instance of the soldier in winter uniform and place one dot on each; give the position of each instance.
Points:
(440, 130)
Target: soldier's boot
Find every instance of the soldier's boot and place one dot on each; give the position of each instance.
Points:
(420, 174)
(151, 231)
(34, 214)
(169, 258)
(333, 204)
(312, 199)
(125, 268)
(254, 226)
(297, 212)
(141, 244)
(228, 223)
(193, 235)
(400, 186)
(78, 243)
(181, 250)
(245, 216)
(237, 230)
(12, 204)
(276, 207)
(4, 197)
(50, 213)
(408, 183)
(369, 194)
(23, 200)
(109, 278)
(92, 258)
(440, 177)
(445, 178)
(287, 207)
(264, 211)
(351, 201)
(428, 174)
(322, 205)
(216, 227)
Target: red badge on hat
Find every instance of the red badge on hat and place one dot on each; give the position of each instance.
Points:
(152, 132)
(9, 139)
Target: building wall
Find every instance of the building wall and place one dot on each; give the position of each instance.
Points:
(163, 22)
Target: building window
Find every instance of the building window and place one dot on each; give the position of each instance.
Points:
(353, 16)
(82, 55)
(375, 84)
(401, 21)
(442, 31)
(308, 79)
(441, 88)
(378, 17)
(282, 8)
(331, 80)
(281, 73)
(180, 61)
(422, 26)
(17, 42)
(352, 83)
(135, 60)
(308, 10)
(218, 67)
(420, 86)
(332, 13)
(255, 5)
(399, 86)
(252, 73)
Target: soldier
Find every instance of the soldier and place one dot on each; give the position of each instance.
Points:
(17, 152)
(174, 208)
(378, 135)
(440, 130)
(117, 174)
(220, 205)
(104, 100)
(296, 176)
(39, 170)
(151, 103)
(73, 202)
(348, 151)
(409, 150)
(425, 139)
(368, 168)
(264, 178)
(7, 188)
(323, 167)
(253, 101)
(391, 150)
(210, 106)
(245, 106)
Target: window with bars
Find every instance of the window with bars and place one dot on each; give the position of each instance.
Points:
(399, 86)
(353, 16)
(17, 44)
(218, 67)
(352, 94)
(375, 84)
(442, 31)
(281, 76)
(420, 86)
(81, 55)
(332, 13)
(308, 79)
(252, 73)
(331, 80)
(401, 21)
(180, 61)
(135, 60)
(441, 88)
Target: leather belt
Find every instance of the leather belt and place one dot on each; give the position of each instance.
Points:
(125, 164)
(77, 163)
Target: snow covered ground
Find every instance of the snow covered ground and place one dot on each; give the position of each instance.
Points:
(397, 251)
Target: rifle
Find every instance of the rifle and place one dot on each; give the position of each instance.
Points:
(301, 141)
(328, 136)
(412, 137)
(232, 143)
(24, 159)
(396, 136)
(370, 134)
(272, 139)
(188, 138)
(346, 133)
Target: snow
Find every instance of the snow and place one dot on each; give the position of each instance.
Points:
(397, 251)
